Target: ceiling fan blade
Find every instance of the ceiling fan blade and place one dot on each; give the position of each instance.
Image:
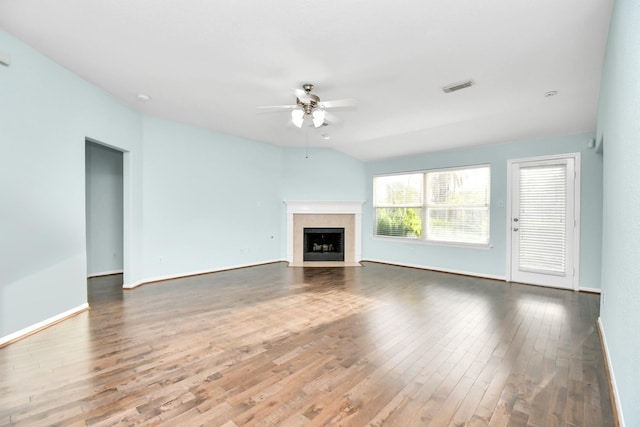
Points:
(332, 119)
(339, 103)
(270, 108)
(302, 95)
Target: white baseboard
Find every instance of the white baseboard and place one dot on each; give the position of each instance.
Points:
(442, 270)
(612, 377)
(194, 273)
(41, 325)
(105, 273)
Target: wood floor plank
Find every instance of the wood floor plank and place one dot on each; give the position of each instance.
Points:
(275, 346)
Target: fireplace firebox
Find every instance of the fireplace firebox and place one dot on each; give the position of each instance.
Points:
(323, 244)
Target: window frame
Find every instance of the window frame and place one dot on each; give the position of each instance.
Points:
(426, 205)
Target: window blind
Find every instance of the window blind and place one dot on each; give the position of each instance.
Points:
(449, 205)
(542, 216)
(458, 205)
(399, 190)
(398, 200)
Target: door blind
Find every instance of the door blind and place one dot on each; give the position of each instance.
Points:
(542, 224)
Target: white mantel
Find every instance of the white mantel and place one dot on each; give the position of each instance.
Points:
(325, 207)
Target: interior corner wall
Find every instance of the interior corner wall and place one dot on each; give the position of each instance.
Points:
(322, 174)
(491, 262)
(46, 114)
(315, 174)
(619, 128)
(211, 201)
(104, 207)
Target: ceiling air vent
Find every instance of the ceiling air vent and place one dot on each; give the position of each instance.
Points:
(457, 86)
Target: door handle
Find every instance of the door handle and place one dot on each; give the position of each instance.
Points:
(515, 228)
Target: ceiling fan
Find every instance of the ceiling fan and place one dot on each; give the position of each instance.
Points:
(309, 105)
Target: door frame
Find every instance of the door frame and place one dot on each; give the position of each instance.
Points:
(127, 207)
(576, 212)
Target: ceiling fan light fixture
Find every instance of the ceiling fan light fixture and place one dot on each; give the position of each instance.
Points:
(308, 104)
(297, 117)
(318, 118)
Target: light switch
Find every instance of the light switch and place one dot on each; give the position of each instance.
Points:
(5, 59)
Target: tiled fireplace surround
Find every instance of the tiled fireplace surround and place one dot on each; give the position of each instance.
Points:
(324, 214)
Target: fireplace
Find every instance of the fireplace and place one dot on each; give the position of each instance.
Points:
(345, 215)
(323, 244)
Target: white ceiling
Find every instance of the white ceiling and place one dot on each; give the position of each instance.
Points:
(210, 63)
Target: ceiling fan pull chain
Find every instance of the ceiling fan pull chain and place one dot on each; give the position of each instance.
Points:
(306, 156)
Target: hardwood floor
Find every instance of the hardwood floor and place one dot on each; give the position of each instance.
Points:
(278, 346)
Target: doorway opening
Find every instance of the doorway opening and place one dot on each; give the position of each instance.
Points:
(104, 209)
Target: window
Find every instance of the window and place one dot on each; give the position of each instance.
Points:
(447, 205)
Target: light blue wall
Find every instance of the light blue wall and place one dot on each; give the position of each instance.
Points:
(46, 113)
(215, 201)
(619, 124)
(104, 198)
(210, 200)
(322, 174)
(492, 262)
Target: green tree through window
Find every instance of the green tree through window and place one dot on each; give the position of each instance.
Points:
(400, 222)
